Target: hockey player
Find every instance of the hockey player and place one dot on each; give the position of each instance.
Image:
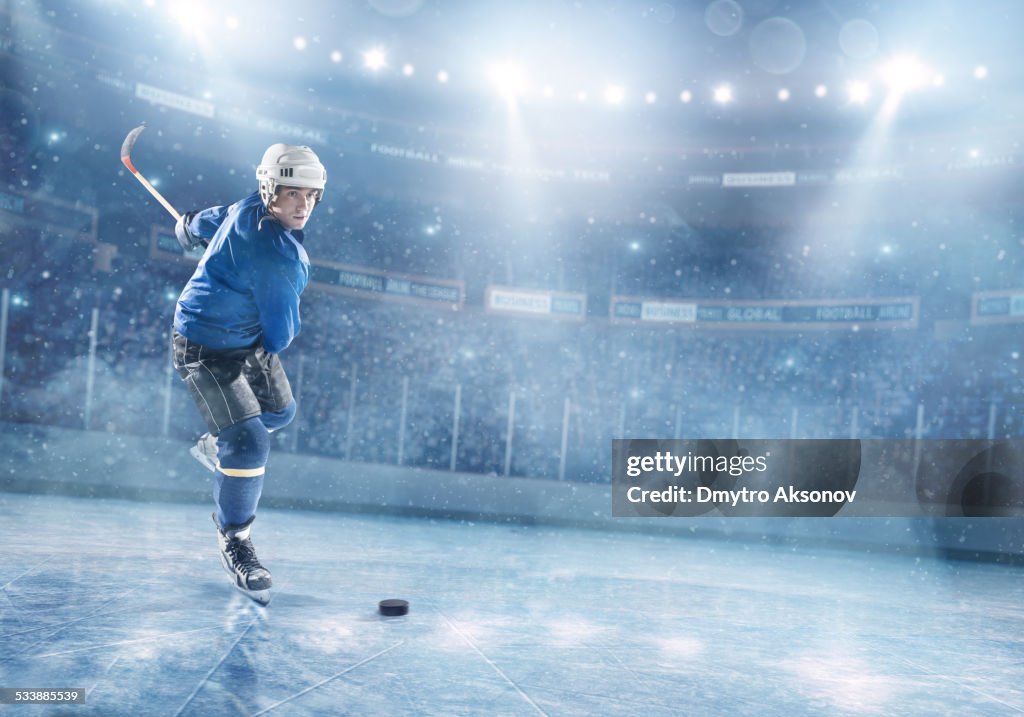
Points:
(235, 315)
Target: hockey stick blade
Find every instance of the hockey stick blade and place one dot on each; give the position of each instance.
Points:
(126, 158)
(128, 145)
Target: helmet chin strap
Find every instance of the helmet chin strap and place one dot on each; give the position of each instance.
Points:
(267, 212)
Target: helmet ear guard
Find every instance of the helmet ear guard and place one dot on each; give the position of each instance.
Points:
(290, 165)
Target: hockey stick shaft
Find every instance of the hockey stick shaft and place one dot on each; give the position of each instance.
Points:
(126, 159)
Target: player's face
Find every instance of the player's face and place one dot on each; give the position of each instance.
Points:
(293, 205)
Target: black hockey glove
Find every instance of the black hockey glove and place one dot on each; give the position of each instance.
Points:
(187, 239)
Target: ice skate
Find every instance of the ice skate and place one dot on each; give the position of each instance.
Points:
(238, 556)
(205, 451)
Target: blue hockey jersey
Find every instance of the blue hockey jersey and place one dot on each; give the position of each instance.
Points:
(246, 288)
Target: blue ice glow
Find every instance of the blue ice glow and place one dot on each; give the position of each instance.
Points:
(531, 620)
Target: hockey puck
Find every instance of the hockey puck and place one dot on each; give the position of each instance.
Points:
(393, 608)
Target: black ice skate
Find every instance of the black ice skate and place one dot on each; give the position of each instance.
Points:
(205, 451)
(239, 559)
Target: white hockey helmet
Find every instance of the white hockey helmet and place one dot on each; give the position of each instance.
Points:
(290, 165)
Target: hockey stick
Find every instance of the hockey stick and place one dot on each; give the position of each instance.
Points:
(126, 158)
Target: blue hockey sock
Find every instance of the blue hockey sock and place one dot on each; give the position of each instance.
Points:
(236, 498)
(242, 451)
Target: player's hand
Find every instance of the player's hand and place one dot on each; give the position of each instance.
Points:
(187, 239)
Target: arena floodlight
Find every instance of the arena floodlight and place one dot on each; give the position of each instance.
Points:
(508, 78)
(408, 70)
(981, 72)
(904, 73)
(858, 91)
(685, 96)
(821, 91)
(723, 94)
(650, 98)
(191, 15)
(614, 94)
(783, 95)
(375, 59)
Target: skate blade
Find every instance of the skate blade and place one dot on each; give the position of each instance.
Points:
(262, 597)
(202, 458)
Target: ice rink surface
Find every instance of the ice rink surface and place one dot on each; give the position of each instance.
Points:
(129, 601)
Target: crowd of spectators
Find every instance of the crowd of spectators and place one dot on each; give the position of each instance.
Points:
(386, 382)
(383, 382)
